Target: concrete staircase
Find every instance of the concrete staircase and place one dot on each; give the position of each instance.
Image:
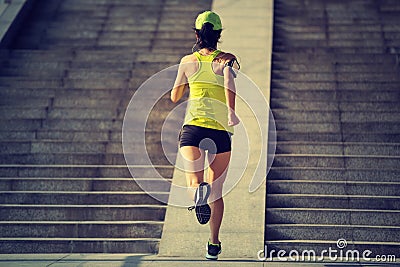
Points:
(64, 84)
(335, 97)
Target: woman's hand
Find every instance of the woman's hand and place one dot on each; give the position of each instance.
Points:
(233, 119)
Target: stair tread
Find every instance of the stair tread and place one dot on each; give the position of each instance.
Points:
(82, 222)
(335, 209)
(78, 239)
(332, 242)
(333, 196)
(346, 182)
(334, 226)
(85, 206)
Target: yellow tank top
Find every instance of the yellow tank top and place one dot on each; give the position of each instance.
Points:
(207, 103)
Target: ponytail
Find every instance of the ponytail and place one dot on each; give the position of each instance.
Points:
(208, 37)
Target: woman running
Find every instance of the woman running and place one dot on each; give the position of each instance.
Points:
(209, 74)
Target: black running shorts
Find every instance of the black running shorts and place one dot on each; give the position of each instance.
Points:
(215, 141)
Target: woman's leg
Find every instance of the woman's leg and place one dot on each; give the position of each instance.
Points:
(216, 177)
(193, 158)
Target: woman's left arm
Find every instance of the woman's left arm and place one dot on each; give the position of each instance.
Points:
(230, 94)
(180, 84)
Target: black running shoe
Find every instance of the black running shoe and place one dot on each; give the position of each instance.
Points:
(203, 210)
(213, 250)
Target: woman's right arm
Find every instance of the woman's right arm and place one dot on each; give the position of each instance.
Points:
(180, 84)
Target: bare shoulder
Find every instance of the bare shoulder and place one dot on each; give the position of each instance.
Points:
(188, 58)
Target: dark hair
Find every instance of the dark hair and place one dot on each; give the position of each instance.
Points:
(208, 37)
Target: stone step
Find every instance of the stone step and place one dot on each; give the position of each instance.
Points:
(78, 245)
(321, 26)
(342, 188)
(29, 82)
(367, 173)
(64, 158)
(392, 35)
(53, 147)
(27, 92)
(332, 201)
(80, 125)
(340, 25)
(344, 128)
(19, 135)
(332, 116)
(326, 161)
(320, 48)
(83, 113)
(102, 17)
(118, 25)
(83, 184)
(87, 124)
(338, 137)
(340, 77)
(335, 43)
(107, 64)
(350, 87)
(20, 125)
(333, 232)
(340, 148)
(141, 34)
(307, 116)
(37, 102)
(81, 229)
(39, 60)
(74, 4)
(10, 113)
(30, 56)
(333, 35)
(300, 36)
(336, 95)
(281, 104)
(43, 73)
(87, 42)
(78, 136)
(35, 212)
(76, 171)
(332, 216)
(81, 198)
(156, 156)
(35, 90)
(365, 127)
(84, 102)
(329, 58)
(334, 67)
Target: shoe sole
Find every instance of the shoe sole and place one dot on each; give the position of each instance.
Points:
(203, 210)
(211, 258)
(203, 213)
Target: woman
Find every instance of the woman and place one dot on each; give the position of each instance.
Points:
(209, 74)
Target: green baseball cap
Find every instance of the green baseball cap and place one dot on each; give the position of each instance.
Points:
(211, 17)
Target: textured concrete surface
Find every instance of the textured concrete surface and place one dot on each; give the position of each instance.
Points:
(144, 260)
(242, 230)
